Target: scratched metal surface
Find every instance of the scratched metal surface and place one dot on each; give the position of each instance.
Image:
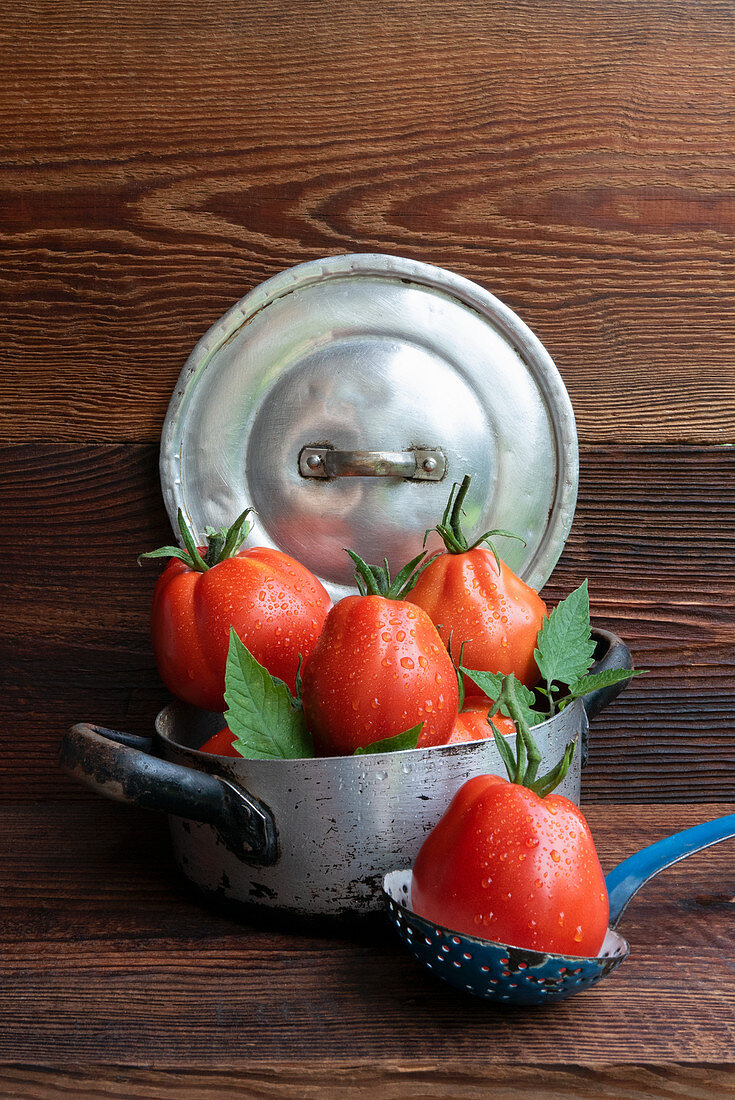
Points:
(342, 822)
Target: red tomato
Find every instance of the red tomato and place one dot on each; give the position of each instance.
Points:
(472, 723)
(220, 744)
(276, 606)
(378, 669)
(506, 865)
(481, 604)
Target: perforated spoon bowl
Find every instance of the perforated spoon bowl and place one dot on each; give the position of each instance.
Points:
(514, 975)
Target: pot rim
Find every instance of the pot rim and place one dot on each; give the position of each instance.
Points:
(176, 708)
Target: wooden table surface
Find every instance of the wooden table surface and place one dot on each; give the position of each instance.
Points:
(159, 161)
(112, 970)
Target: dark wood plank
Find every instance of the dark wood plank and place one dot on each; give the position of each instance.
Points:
(576, 160)
(653, 532)
(105, 958)
(351, 1079)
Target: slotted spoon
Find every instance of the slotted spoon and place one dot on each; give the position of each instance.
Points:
(514, 975)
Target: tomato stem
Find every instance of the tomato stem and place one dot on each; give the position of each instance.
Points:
(197, 561)
(375, 580)
(450, 528)
(221, 544)
(523, 767)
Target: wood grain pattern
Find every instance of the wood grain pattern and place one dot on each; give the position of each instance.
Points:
(391, 1080)
(578, 163)
(106, 958)
(653, 532)
(158, 162)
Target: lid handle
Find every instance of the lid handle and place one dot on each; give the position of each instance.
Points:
(416, 464)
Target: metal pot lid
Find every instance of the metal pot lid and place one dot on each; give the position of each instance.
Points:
(343, 397)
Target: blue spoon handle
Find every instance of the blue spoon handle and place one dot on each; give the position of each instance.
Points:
(625, 880)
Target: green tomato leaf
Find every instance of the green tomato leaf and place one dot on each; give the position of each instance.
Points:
(489, 682)
(601, 680)
(565, 648)
(492, 683)
(261, 711)
(406, 740)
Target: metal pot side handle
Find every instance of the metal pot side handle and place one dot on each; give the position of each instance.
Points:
(616, 656)
(122, 767)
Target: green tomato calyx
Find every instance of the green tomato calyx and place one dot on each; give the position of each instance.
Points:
(375, 580)
(450, 528)
(222, 543)
(522, 766)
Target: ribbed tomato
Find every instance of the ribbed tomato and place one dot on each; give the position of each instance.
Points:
(378, 669)
(510, 861)
(477, 600)
(472, 723)
(276, 606)
(507, 865)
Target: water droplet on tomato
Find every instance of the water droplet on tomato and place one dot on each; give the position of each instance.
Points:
(532, 842)
(555, 855)
(538, 884)
(423, 662)
(386, 635)
(578, 934)
(385, 662)
(400, 635)
(406, 662)
(561, 920)
(532, 924)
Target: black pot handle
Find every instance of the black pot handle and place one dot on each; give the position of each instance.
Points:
(122, 767)
(614, 654)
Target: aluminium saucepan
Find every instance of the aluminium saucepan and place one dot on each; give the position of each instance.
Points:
(308, 837)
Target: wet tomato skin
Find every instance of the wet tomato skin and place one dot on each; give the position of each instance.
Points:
(276, 606)
(505, 865)
(220, 744)
(472, 723)
(377, 669)
(493, 612)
